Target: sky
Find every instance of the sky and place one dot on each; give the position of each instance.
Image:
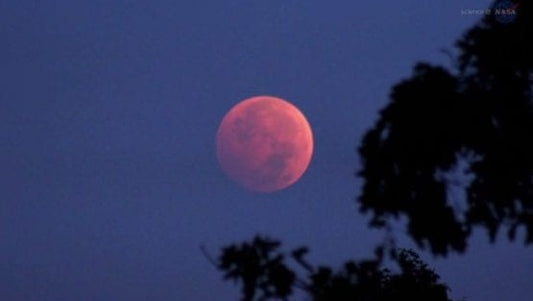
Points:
(109, 180)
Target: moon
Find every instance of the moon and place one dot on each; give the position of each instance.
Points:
(264, 143)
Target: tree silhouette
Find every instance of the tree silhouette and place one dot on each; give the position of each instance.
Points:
(452, 150)
(470, 131)
(265, 275)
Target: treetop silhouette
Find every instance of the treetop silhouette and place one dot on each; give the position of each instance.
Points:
(446, 133)
(265, 273)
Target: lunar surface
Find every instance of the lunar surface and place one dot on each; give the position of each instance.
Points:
(264, 143)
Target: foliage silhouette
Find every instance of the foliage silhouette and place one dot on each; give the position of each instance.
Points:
(445, 133)
(265, 275)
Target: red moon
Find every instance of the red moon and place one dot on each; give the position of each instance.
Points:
(264, 143)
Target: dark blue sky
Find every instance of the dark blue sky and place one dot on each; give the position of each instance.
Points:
(108, 115)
